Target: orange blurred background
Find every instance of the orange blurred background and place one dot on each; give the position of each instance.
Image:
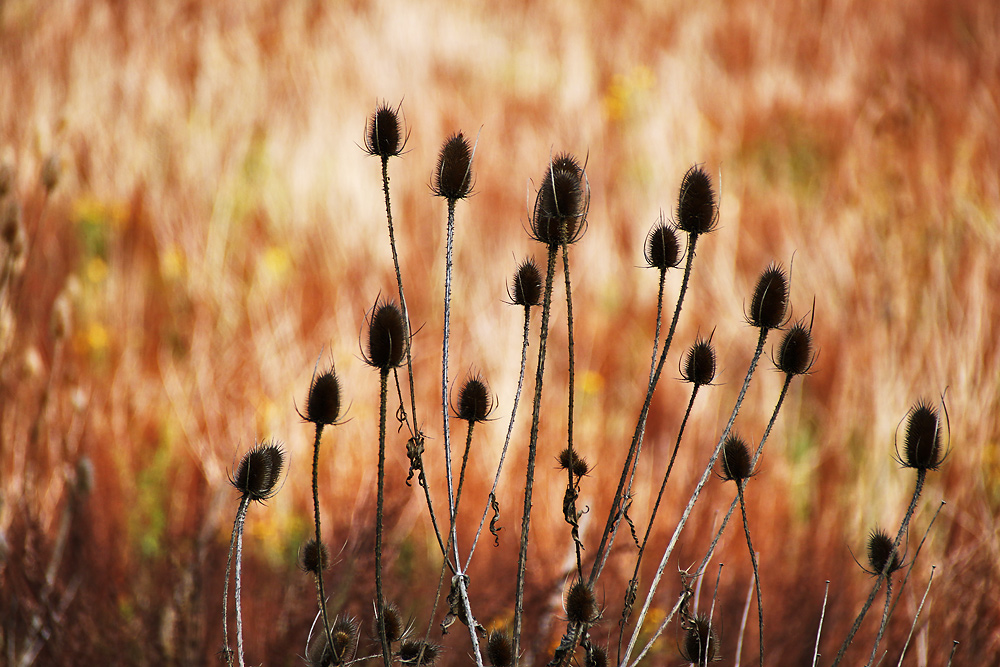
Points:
(217, 227)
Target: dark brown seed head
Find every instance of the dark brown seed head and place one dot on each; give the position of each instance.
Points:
(663, 251)
(572, 459)
(500, 649)
(384, 132)
(418, 652)
(474, 401)
(526, 288)
(696, 209)
(318, 653)
(453, 176)
(770, 299)
(314, 557)
(386, 336)
(795, 355)
(879, 551)
(736, 460)
(343, 632)
(699, 363)
(258, 472)
(597, 656)
(395, 629)
(561, 203)
(701, 644)
(922, 441)
(323, 404)
(581, 605)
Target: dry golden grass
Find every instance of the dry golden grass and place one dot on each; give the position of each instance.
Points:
(216, 228)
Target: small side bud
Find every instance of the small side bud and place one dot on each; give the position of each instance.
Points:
(453, 176)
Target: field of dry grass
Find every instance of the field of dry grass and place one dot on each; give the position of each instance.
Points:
(216, 227)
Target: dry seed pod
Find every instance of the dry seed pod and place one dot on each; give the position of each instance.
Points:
(581, 605)
(770, 299)
(597, 656)
(343, 632)
(697, 212)
(579, 464)
(474, 402)
(418, 652)
(526, 288)
(561, 203)
(314, 557)
(922, 448)
(879, 551)
(259, 470)
(323, 403)
(395, 629)
(453, 176)
(796, 355)
(384, 132)
(386, 336)
(663, 250)
(699, 363)
(500, 649)
(736, 460)
(701, 644)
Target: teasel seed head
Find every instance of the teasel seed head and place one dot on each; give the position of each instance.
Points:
(500, 648)
(561, 203)
(769, 304)
(597, 656)
(51, 171)
(474, 400)
(736, 460)
(259, 470)
(318, 653)
(701, 644)
(581, 604)
(395, 628)
(572, 459)
(697, 212)
(386, 336)
(796, 354)
(453, 176)
(879, 552)
(526, 288)
(323, 403)
(922, 448)
(418, 652)
(663, 250)
(314, 557)
(699, 363)
(343, 632)
(384, 132)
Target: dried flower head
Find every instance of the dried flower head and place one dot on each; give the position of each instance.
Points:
(879, 552)
(500, 649)
(453, 176)
(796, 354)
(561, 204)
(314, 557)
(581, 604)
(395, 628)
(318, 653)
(474, 400)
(663, 250)
(568, 459)
(418, 652)
(323, 403)
(386, 336)
(259, 470)
(597, 656)
(701, 644)
(526, 288)
(922, 449)
(735, 459)
(384, 132)
(699, 363)
(770, 299)
(697, 212)
(343, 632)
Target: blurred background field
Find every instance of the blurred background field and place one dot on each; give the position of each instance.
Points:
(216, 228)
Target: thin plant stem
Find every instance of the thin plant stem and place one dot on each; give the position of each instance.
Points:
(320, 593)
(379, 594)
(885, 615)
(954, 647)
(916, 616)
(240, 513)
(822, 615)
(659, 321)
(465, 461)
(571, 405)
(240, 519)
(743, 625)
(444, 376)
(916, 554)
(532, 450)
(756, 572)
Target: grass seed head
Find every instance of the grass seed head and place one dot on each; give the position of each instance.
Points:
(663, 250)
(453, 176)
(697, 212)
(770, 299)
(879, 551)
(922, 448)
(384, 132)
(581, 604)
(323, 404)
(526, 288)
(259, 470)
(701, 644)
(474, 401)
(386, 336)
(699, 363)
(500, 649)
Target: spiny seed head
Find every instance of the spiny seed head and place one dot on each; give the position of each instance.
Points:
(879, 551)
(395, 629)
(770, 299)
(699, 363)
(663, 250)
(343, 632)
(736, 459)
(500, 649)
(453, 176)
(597, 656)
(384, 132)
(386, 336)
(561, 203)
(418, 652)
(259, 470)
(922, 448)
(795, 355)
(323, 404)
(314, 557)
(572, 459)
(318, 653)
(474, 401)
(696, 208)
(526, 288)
(581, 605)
(701, 644)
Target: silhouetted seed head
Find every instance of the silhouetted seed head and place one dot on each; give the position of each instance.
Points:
(736, 460)
(770, 299)
(879, 551)
(561, 203)
(418, 652)
(699, 363)
(663, 250)
(343, 632)
(384, 132)
(323, 404)
(569, 458)
(453, 176)
(696, 208)
(581, 605)
(51, 170)
(701, 644)
(526, 288)
(567, 162)
(795, 355)
(314, 557)
(922, 441)
(395, 629)
(474, 401)
(500, 649)
(258, 472)
(386, 336)
(597, 656)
